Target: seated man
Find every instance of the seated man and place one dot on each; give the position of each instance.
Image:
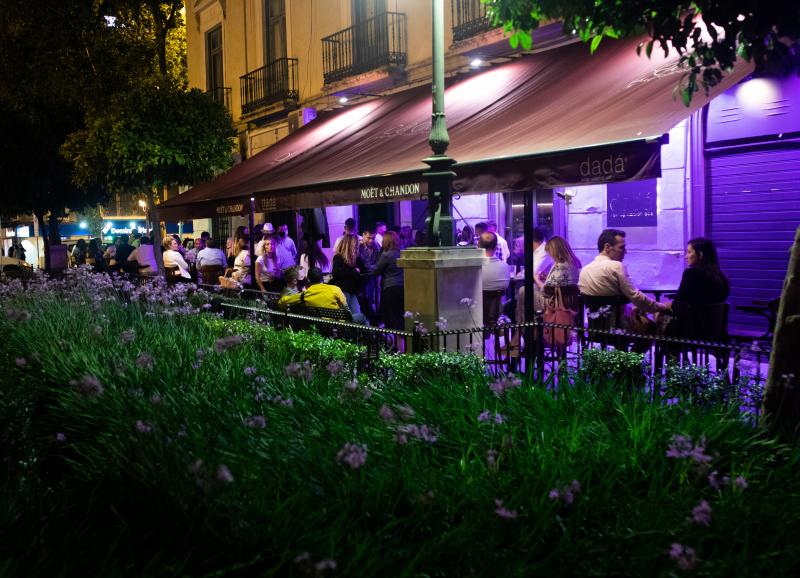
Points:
(319, 294)
(494, 277)
(606, 276)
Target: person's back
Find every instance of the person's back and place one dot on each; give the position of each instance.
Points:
(211, 255)
(495, 272)
(145, 256)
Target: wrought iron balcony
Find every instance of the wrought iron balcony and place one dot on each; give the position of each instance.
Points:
(222, 95)
(276, 82)
(374, 43)
(469, 19)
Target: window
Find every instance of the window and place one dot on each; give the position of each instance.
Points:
(214, 77)
(274, 30)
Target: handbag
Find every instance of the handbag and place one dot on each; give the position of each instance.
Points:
(556, 312)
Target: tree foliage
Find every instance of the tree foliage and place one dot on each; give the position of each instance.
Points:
(708, 34)
(153, 135)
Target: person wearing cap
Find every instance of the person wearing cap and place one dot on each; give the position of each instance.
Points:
(266, 232)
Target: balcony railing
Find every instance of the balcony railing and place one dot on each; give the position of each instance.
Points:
(275, 82)
(222, 95)
(469, 19)
(379, 41)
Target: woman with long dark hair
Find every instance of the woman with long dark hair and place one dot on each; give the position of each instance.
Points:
(703, 281)
(347, 268)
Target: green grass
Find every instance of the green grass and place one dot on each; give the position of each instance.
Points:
(113, 501)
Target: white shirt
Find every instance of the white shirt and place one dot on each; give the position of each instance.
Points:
(541, 260)
(144, 255)
(241, 267)
(287, 245)
(379, 239)
(210, 257)
(494, 274)
(174, 259)
(605, 278)
(502, 252)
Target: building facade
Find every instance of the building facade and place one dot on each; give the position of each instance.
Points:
(276, 64)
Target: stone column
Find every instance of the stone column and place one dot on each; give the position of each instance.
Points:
(437, 279)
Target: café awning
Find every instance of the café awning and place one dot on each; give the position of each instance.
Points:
(561, 117)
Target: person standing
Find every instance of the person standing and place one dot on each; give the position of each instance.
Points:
(285, 247)
(494, 278)
(349, 229)
(241, 263)
(502, 245)
(380, 231)
(369, 251)
(347, 270)
(392, 289)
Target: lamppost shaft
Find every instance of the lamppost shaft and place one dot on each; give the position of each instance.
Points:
(440, 176)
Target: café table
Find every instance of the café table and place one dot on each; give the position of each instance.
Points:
(657, 293)
(766, 308)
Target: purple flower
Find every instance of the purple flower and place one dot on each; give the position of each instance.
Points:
(420, 432)
(401, 438)
(256, 422)
(491, 459)
(144, 361)
(503, 320)
(60, 437)
(684, 556)
(408, 314)
(88, 385)
(485, 415)
(554, 494)
(441, 325)
(196, 365)
(354, 455)
(499, 418)
(717, 482)
(260, 395)
(420, 328)
(682, 447)
(143, 427)
(335, 367)
(285, 402)
(567, 493)
(504, 512)
(21, 361)
(701, 514)
(224, 343)
(502, 385)
(155, 399)
(386, 414)
(250, 371)
(260, 379)
(301, 370)
(224, 474)
(351, 385)
(325, 564)
(740, 482)
(405, 411)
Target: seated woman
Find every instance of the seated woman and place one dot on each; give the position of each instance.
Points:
(173, 258)
(564, 272)
(268, 269)
(241, 264)
(703, 284)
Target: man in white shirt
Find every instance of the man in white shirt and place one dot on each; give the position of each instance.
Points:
(211, 256)
(607, 276)
(380, 229)
(285, 247)
(349, 229)
(502, 252)
(542, 262)
(494, 278)
(145, 257)
(191, 254)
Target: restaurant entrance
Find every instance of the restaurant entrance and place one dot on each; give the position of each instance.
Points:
(370, 214)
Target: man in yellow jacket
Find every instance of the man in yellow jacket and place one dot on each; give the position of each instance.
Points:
(320, 295)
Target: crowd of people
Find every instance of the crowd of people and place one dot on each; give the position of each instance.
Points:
(603, 284)
(363, 275)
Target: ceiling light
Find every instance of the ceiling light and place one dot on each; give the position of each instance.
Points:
(343, 100)
(476, 62)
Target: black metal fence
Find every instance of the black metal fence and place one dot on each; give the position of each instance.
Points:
(547, 351)
(469, 19)
(379, 41)
(270, 84)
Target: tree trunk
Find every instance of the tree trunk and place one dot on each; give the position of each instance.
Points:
(156, 225)
(45, 240)
(782, 393)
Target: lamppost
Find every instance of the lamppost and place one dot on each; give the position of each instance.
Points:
(440, 176)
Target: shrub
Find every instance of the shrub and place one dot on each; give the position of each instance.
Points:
(622, 369)
(407, 370)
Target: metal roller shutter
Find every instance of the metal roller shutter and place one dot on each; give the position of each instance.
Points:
(753, 211)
